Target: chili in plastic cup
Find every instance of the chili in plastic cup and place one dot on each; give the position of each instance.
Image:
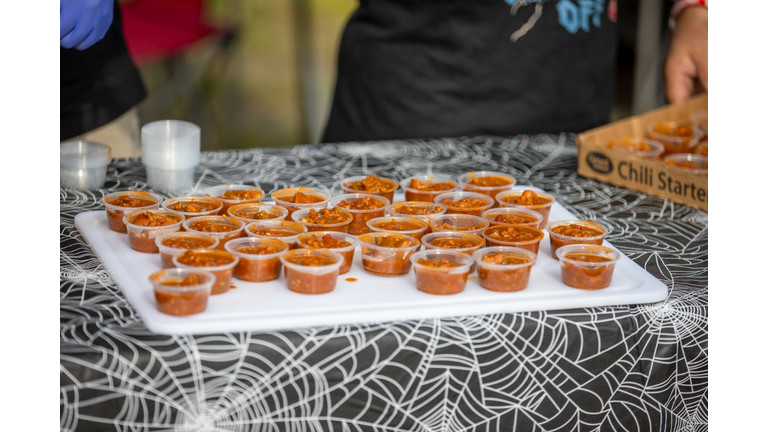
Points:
(513, 216)
(566, 232)
(363, 208)
(387, 254)
(146, 225)
(224, 228)
(286, 231)
(259, 258)
(587, 267)
(674, 136)
(327, 219)
(219, 262)
(254, 212)
(441, 272)
(182, 291)
(637, 146)
(332, 240)
(426, 187)
(537, 201)
(693, 163)
(504, 268)
(461, 242)
(191, 206)
(416, 209)
(307, 198)
(175, 243)
(489, 183)
(233, 194)
(119, 204)
(370, 184)
(520, 236)
(311, 271)
(462, 202)
(459, 222)
(415, 228)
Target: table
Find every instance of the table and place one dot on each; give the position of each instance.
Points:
(629, 367)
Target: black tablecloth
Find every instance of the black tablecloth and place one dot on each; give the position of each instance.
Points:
(629, 367)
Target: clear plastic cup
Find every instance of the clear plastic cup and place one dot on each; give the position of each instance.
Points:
(465, 243)
(182, 292)
(255, 212)
(175, 243)
(286, 231)
(587, 267)
(285, 198)
(301, 216)
(332, 240)
(415, 228)
(385, 188)
(489, 183)
(219, 262)
(83, 164)
(170, 151)
(676, 137)
(363, 208)
(311, 271)
(259, 258)
(224, 228)
(144, 226)
(504, 268)
(513, 216)
(387, 254)
(521, 236)
(566, 232)
(459, 222)
(416, 209)
(232, 194)
(441, 272)
(462, 202)
(539, 202)
(637, 146)
(191, 206)
(119, 204)
(427, 186)
(693, 163)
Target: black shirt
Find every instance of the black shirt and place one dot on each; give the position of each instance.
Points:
(98, 84)
(431, 68)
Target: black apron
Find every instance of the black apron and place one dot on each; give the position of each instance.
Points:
(437, 68)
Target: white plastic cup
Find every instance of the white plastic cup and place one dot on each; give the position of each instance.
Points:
(83, 164)
(170, 151)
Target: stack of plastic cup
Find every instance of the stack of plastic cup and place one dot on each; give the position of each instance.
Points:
(170, 151)
(83, 165)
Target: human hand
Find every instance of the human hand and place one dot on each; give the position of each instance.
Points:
(685, 68)
(82, 23)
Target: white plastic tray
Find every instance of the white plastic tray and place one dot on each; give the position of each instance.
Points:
(271, 306)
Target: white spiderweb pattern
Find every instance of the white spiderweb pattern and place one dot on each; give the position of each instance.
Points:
(623, 368)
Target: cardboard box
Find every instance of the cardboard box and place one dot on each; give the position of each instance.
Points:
(653, 177)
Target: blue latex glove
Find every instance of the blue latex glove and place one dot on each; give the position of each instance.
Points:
(84, 22)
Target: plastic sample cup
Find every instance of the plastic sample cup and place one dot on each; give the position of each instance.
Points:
(462, 202)
(182, 292)
(520, 236)
(254, 212)
(173, 244)
(191, 206)
(342, 243)
(219, 262)
(416, 209)
(693, 163)
(387, 254)
(637, 146)
(83, 164)
(489, 183)
(286, 231)
(224, 228)
(311, 271)
(144, 226)
(232, 194)
(441, 272)
(170, 151)
(298, 198)
(427, 186)
(461, 242)
(513, 216)
(587, 267)
(459, 222)
(363, 208)
(415, 228)
(504, 268)
(327, 219)
(674, 136)
(567, 232)
(536, 201)
(371, 184)
(259, 258)
(119, 204)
